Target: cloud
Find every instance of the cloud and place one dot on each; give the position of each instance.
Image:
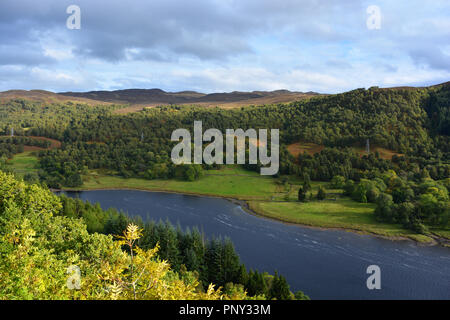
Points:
(218, 45)
(14, 77)
(435, 59)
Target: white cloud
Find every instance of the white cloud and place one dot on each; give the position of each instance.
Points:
(223, 45)
(58, 54)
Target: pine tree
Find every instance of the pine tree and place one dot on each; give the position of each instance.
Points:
(321, 194)
(279, 289)
(306, 182)
(301, 194)
(213, 262)
(230, 262)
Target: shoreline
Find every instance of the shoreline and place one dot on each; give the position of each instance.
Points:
(435, 239)
(243, 203)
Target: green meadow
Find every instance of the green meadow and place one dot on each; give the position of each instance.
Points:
(340, 213)
(230, 182)
(23, 163)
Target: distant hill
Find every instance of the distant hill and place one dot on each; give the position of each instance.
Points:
(140, 98)
(158, 96)
(137, 99)
(43, 96)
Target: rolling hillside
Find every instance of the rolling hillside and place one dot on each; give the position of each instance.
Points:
(139, 98)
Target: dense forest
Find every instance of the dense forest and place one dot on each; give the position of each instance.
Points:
(412, 122)
(35, 118)
(43, 236)
(138, 144)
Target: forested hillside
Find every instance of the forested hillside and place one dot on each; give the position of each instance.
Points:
(411, 124)
(402, 120)
(37, 118)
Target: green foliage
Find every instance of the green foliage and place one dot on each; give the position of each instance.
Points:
(338, 182)
(306, 182)
(301, 195)
(438, 109)
(9, 146)
(35, 118)
(413, 204)
(37, 247)
(360, 193)
(411, 122)
(321, 193)
(299, 295)
(214, 261)
(279, 288)
(138, 144)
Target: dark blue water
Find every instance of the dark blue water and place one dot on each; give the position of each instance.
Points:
(325, 264)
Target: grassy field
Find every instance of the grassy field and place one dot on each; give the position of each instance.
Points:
(24, 163)
(230, 182)
(340, 213)
(441, 233)
(27, 162)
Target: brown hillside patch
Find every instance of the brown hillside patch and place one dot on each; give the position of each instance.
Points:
(275, 99)
(45, 96)
(150, 97)
(301, 147)
(311, 148)
(134, 108)
(224, 101)
(32, 148)
(95, 142)
(129, 109)
(54, 143)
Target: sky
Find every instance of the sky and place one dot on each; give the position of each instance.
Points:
(326, 46)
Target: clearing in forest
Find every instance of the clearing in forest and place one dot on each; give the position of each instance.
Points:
(300, 147)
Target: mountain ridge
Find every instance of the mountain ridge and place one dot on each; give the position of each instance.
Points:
(140, 98)
(158, 96)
